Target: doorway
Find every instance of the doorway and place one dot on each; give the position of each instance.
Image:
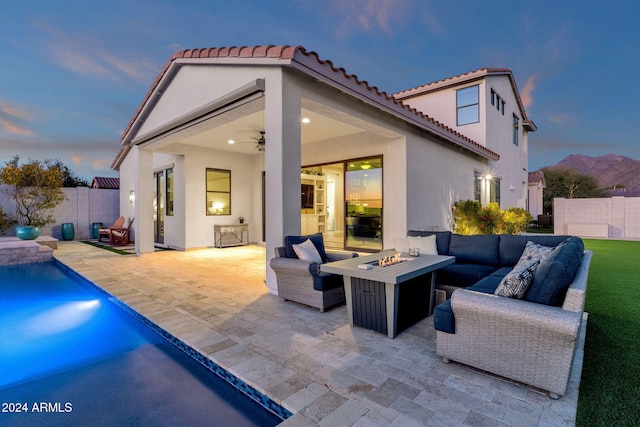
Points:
(343, 201)
(158, 207)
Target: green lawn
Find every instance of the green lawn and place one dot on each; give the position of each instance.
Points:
(610, 385)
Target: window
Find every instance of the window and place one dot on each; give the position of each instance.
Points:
(516, 127)
(477, 187)
(486, 188)
(169, 191)
(468, 109)
(497, 101)
(218, 200)
(494, 191)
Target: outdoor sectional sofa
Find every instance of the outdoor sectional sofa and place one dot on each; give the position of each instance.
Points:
(530, 340)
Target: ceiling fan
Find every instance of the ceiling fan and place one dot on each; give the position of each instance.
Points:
(260, 142)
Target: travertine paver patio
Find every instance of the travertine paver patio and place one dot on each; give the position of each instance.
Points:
(314, 364)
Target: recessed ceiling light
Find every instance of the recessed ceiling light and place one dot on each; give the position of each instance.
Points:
(231, 141)
(306, 120)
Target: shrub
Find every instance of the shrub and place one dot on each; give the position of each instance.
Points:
(470, 217)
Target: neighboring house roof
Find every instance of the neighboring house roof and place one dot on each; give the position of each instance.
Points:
(466, 78)
(537, 177)
(105, 182)
(299, 58)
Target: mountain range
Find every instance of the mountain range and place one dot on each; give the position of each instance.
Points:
(619, 174)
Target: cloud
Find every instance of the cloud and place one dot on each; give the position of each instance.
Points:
(369, 15)
(526, 94)
(561, 119)
(85, 56)
(13, 119)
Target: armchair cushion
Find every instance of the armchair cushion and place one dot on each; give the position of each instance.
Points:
(316, 239)
(556, 272)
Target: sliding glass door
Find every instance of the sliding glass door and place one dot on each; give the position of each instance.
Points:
(363, 204)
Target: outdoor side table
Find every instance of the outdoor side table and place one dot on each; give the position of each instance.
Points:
(392, 298)
(230, 235)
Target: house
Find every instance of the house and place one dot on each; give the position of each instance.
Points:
(537, 184)
(105, 183)
(294, 145)
(484, 105)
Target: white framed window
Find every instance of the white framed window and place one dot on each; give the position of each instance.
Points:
(516, 129)
(467, 105)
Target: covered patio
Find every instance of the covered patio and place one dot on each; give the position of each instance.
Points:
(314, 364)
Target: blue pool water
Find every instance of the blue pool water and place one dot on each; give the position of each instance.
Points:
(69, 355)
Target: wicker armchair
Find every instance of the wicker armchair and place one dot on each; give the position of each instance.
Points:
(528, 342)
(301, 281)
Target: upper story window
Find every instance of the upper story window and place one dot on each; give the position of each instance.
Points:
(467, 105)
(516, 129)
(497, 101)
(218, 201)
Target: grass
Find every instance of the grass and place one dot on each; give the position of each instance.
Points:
(108, 248)
(610, 385)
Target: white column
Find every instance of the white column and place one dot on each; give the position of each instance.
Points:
(282, 166)
(143, 204)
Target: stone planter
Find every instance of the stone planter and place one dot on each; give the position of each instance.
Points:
(27, 232)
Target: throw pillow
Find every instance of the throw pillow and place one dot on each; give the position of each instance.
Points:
(516, 283)
(533, 252)
(307, 251)
(427, 245)
(401, 245)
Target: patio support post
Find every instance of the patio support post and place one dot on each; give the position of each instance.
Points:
(143, 213)
(282, 166)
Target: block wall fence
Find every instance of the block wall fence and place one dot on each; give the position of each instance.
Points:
(83, 207)
(617, 217)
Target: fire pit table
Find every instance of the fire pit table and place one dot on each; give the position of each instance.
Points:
(390, 298)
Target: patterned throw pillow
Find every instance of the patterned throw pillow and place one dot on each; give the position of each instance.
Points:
(517, 282)
(533, 252)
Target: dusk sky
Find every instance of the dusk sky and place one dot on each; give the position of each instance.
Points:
(73, 73)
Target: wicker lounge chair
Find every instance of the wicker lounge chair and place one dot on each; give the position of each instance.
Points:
(301, 281)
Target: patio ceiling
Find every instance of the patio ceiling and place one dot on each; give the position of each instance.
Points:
(243, 125)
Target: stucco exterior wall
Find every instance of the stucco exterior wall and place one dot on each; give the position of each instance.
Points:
(494, 131)
(621, 215)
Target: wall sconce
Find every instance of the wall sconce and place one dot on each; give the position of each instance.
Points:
(132, 196)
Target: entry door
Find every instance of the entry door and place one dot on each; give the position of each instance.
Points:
(158, 207)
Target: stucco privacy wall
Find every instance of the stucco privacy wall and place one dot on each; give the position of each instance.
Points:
(83, 207)
(620, 214)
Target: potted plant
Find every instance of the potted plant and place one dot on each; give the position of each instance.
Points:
(241, 219)
(36, 188)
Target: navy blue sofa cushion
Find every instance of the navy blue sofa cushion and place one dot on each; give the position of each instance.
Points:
(326, 281)
(462, 274)
(556, 272)
(512, 246)
(443, 319)
(479, 249)
(316, 239)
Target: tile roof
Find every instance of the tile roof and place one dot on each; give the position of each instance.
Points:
(105, 182)
(535, 177)
(310, 63)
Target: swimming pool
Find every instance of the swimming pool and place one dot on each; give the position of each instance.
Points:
(71, 354)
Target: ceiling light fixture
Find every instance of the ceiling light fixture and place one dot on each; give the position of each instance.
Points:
(231, 141)
(306, 120)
